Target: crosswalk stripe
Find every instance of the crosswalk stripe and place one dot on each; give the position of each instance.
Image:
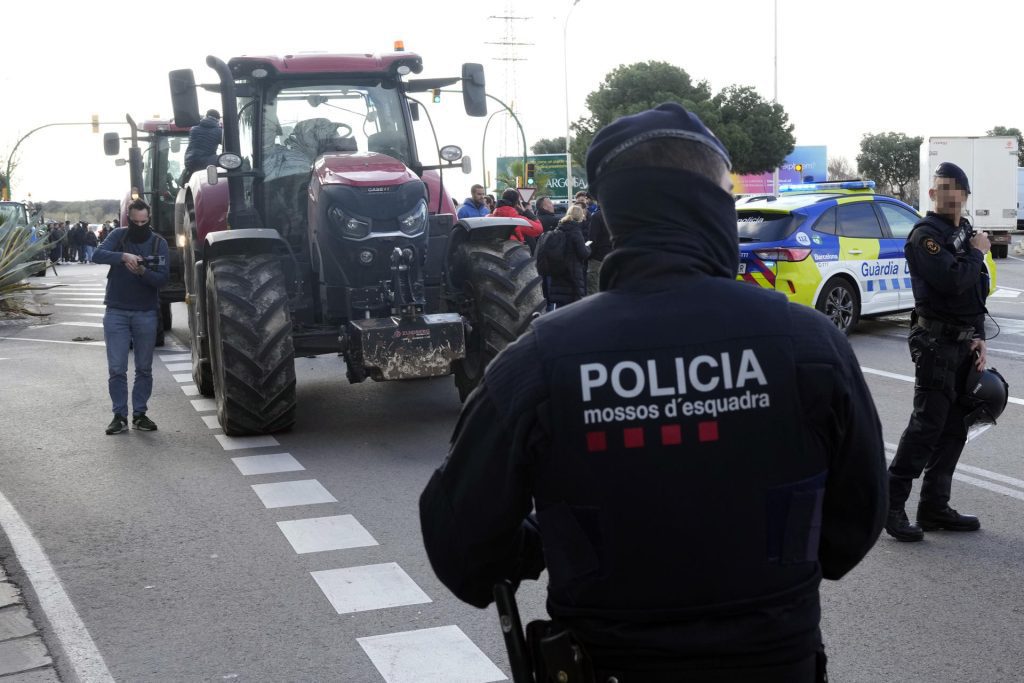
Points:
(369, 587)
(284, 494)
(430, 655)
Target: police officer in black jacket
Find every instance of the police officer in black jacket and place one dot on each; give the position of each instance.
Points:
(947, 335)
(699, 452)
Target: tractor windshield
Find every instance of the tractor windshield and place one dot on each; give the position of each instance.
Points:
(304, 122)
(13, 213)
(162, 165)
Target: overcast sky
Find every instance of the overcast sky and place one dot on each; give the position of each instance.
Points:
(844, 68)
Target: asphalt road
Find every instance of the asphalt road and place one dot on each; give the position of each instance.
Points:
(182, 567)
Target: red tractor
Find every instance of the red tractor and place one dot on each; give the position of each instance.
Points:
(154, 167)
(332, 235)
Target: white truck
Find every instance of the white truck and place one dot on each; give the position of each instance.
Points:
(1020, 198)
(991, 167)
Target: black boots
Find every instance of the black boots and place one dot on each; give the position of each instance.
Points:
(946, 518)
(899, 527)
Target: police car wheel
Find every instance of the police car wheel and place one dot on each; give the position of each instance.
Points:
(839, 302)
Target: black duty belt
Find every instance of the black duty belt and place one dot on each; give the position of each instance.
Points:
(941, 329)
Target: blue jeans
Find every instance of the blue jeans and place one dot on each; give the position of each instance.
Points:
(88, 253)
(120, 327)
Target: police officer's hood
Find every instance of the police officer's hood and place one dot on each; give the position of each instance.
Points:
(662, 221)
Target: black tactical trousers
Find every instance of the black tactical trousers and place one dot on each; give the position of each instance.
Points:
(936, 435)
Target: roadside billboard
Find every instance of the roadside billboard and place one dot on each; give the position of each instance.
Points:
(549, 176)
(813, 160)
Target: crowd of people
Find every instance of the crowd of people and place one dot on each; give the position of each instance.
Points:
(579, 256)
(75, 242)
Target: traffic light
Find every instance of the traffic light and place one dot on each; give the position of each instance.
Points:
(437, 95)
(531, 170)
(95, 123)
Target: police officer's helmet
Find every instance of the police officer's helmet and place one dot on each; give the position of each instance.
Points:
(984, 397)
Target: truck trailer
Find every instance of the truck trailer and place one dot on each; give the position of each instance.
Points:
(990, 163)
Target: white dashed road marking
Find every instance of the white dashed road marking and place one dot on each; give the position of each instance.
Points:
(437, 655)
(234, 443)
(432, 655)
(321, 534)
(370, 587)
(980, 483)
(908, 378)
(52, 341)
(267, 464)
(285, 494)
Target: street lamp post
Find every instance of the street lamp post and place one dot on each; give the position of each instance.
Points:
(569, 187)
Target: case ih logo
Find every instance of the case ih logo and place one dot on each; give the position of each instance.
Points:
(386, 188)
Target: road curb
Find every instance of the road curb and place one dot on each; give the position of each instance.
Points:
(24, 657)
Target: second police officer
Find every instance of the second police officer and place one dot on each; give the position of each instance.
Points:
(947, 269)
(693, 479)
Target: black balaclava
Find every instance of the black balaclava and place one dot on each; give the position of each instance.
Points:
(675, 219)
(138, 234)
(687, 219)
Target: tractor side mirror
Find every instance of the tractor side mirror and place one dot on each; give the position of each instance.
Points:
(474, 95)
(414, 107)
(183, 98)
(467, 165)
(111, 144)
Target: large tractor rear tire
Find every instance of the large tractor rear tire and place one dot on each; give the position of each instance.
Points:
(251, 352)
(501, 285)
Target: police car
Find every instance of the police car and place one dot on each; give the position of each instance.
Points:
(836, 246)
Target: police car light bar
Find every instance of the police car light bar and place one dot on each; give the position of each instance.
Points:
(826, 186)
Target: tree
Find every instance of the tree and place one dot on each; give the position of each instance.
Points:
(891, 160)
(757, 133)
(549, 146)
(1002, 130)
(840, 169)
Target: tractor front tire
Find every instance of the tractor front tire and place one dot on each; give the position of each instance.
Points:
(251, 351)
(503, 294)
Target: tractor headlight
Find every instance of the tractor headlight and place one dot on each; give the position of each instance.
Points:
(414, 222)
(350, 226)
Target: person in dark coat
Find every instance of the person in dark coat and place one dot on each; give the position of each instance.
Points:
(546, 213)
(600, 246)
(571, 285)
(611, 444)
(203, 140)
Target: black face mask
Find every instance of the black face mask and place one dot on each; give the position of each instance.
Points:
(139, 233)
